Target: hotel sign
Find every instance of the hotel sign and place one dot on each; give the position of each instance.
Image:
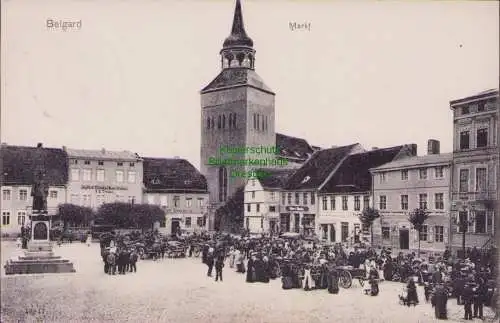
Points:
(177, 211)
(297, 208)
(104, 188)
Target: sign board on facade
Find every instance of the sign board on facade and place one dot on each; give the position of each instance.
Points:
(104, 188)
(177, 211)
(297, 208)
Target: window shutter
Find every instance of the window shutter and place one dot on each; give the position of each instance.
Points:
(430, 234)
(445, 235)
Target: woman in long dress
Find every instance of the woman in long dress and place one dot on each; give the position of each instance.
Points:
(250, 270)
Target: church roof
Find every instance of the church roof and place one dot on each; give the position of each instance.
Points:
(238, 36)
(293, 147)
(172, 175)
(19, 163)
(231, 77)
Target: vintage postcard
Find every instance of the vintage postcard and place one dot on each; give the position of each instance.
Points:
(249, 161)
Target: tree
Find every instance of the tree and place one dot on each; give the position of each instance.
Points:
(417, 218)
(75, 214)
(367, 217)
(118, 214)
(145, 215)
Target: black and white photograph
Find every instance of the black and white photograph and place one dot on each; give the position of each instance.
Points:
(249, 161)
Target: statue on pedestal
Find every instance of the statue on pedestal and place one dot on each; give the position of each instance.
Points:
(39, 192)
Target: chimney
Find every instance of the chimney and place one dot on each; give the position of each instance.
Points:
(432, 147)
(103, 151)
(39, 145)
(413, 149)
(64, 148)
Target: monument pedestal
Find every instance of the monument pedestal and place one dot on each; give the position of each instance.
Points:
(39, 258)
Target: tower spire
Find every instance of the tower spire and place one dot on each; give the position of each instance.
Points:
(238, 47)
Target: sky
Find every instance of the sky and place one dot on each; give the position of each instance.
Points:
(376, 73)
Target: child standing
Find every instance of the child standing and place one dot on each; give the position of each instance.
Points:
(219, 264)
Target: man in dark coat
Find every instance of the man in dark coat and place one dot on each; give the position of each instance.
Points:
(219, 264)
(133, 261)
(210, 263)
(412, 296)
(468, 297)
(479, 298)
(440, 299)
(333, 279)
(388, 269)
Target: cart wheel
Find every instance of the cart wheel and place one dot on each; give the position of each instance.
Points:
(345, 279)
(361, 282)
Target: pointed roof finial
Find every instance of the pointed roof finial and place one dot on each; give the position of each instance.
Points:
(238, 35)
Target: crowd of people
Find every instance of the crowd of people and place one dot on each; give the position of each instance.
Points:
(309, 265)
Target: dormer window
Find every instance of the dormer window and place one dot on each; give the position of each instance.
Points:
(155, 181)
(306, 179)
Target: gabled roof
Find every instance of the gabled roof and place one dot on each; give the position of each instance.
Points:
(102, 154)
(172, 175)
(19, 164)
(275, 179)
(293, 147)
(237, 76)
(318, 167)
(416, 161)
(354, 175)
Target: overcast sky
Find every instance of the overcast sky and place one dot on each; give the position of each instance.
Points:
(380, 74)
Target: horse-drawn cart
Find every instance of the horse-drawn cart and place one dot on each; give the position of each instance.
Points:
(176, 249)
(348, 273)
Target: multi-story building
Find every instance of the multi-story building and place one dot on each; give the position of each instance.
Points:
(237, 111)
(262, 201)
(100, 176)
(347, 192)
(179, 189)
(18, 169)
(474, 190)
(401, 186)
(298, 207)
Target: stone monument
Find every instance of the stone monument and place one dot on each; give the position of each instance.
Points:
(39, 258)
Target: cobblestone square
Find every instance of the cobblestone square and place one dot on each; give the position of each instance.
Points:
(178, 290)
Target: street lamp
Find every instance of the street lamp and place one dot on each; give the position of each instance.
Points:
(463, 222)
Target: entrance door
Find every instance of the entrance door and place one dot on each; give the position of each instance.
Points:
(176, 226)
(297, 222)
(332, 233)
(404, 239)
(285, 222)
(357, 231)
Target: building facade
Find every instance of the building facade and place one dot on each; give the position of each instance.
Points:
(474, 190)
(180, 190)
(100, 176)
(262, 202)
(18, 168)
(402, 186)
(347, 192)
(299, 208)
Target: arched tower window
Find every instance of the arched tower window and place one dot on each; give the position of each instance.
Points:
(230, 121)
(212, 122)
(263, 124)
(223, 121)
(258, 122)
(222, 184)
(219, 122)
(208, 123)
(234, 121)
(240, 57)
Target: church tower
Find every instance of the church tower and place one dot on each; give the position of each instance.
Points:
(237, 110)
